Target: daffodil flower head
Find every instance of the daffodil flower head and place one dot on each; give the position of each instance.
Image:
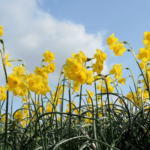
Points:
(81, 77)
(16, 83)
(142, 65)
(19, 115)
(111, 41)
(18, 69)
(44, 75)
(122, 80)
(98, 67)
(117, 71)
(90, 78)
(119, 49)
(91, 93)
(24, 100)
(13, 81)
(101, 104)
(48, 56)
(144, 55)
(130, 96)
(50, 68)
(75, 89)
(147, 107)
(1, 31)
(3, 96)
(43, 88)
(81, 57)
(100, 56)
(146, 40)
(76, 67)
(23, 92)
(26, 110)
(99, 86)
(108, 80)
(38, 71)
(6, 61)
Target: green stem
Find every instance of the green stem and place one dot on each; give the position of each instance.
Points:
(4, 67)
(125, 42)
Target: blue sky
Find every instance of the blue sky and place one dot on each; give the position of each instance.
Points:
(32, 27)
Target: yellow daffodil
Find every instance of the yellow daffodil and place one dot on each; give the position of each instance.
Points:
(50, 68)
(3, 96)
(75, 89)
(48, 56)
(81, 77)
(146, 40)
(110, 89)
(58, 119)
(43, 88)
(18, 69)
(101, 104)
(1, 31)
(6, 61)
(16, 83)
(100, 56)
(147, 107)
(122, 80)
(144, 55)
(117, 71)
(19, 115)
(24, 100)
(33, 81)
(91, 94)
(26, 110)
(98, 67)
(90, 78)
(99, 86)
(44, 75)
(142, 65)
(38, 70)
(130, 96)
(111, 41)
(81, 58)
(119, 49)
(108, 80)
(72, 105)
(76, 111)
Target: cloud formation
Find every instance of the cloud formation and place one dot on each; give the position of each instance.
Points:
(29, 32)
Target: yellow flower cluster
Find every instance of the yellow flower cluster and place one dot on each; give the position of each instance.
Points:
(43, 72)
(72, 106)
(38, 84)
(144, 53)
(1, 31)
(59, 94)
(49, 108)
(17, 82)
(91, 94)
(100, 58)
(138, 101)
(89, 114)
(75, 71)
(104, 90)
(147, 80)
(19, 115)
(117, 71)
(117, 48)
(3, 96)
(6, 61)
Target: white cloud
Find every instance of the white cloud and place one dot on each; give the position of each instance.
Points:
(29, 32)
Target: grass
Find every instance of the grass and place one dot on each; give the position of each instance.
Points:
(120, 125)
